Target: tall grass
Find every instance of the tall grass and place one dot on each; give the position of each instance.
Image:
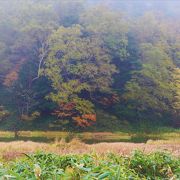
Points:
(11, 150)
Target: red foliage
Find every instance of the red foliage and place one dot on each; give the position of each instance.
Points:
(65, 110)
(12, 76)
(91, 117)
(85, 120)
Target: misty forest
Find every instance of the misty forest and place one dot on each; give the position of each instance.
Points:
(78, 62)
(107, 67)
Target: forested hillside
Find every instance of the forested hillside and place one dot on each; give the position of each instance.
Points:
(89, 63)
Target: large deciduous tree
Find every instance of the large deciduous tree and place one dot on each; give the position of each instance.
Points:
(76, 64)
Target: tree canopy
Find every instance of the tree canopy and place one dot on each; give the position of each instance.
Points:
(71, 59)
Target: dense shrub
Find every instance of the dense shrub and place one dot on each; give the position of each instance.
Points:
(110, 166)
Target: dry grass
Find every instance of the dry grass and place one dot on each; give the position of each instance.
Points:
(11, 150)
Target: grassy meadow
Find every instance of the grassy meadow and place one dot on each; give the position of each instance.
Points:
(15, 143)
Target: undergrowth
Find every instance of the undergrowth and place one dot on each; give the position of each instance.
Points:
(138, 166)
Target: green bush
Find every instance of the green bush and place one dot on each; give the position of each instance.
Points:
(156, 165)
(138, 166)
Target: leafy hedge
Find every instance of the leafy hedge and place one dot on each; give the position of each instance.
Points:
(138, 166)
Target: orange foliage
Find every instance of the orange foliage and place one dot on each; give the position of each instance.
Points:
(12, 76)
(65, 110)
(91, 117)
(85, 120)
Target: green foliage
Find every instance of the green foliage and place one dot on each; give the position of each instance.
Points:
(76, 63)
(157, 165)
(153, 81)
(70, 58)
(50, 166)
(98, 21)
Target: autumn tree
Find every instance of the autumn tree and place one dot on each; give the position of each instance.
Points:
(77, 63)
